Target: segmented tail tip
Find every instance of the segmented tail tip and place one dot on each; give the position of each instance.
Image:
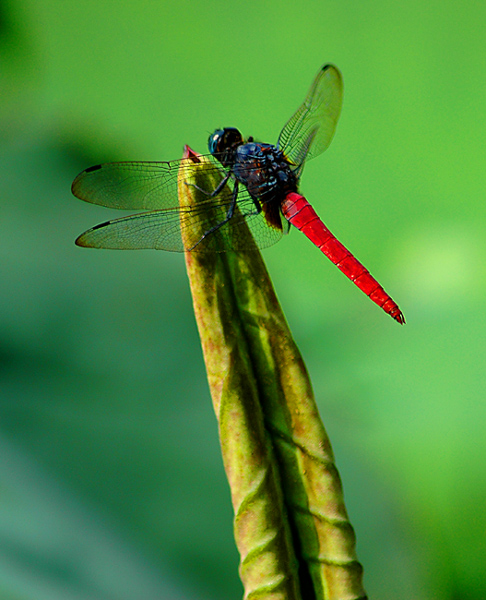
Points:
(398, 316)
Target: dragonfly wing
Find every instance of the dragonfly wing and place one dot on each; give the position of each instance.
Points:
(178, 230)
(131, 185)
(229, 233)
(202, 225)
(175, 229)
(158, 230)
(311, 128)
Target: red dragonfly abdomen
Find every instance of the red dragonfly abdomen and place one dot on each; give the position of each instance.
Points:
(300, 213)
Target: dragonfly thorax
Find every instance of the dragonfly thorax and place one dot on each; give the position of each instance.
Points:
(264, 171)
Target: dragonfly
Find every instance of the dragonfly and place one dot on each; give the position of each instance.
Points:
(263, 180)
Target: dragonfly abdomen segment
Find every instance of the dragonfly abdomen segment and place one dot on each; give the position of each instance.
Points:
(300, 213)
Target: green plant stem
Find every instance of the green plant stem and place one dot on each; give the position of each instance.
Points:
(291, 525)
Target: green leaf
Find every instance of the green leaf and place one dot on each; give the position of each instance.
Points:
(291, 525)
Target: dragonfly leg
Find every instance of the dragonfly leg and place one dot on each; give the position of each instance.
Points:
(216, 191)
(229, 214)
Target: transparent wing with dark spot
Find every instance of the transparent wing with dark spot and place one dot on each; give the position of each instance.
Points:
(153, 185)
(131, 185)
(311, 128)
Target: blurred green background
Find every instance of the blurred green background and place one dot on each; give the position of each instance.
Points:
(111, 478)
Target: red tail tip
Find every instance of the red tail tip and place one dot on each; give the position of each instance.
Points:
(398, 316)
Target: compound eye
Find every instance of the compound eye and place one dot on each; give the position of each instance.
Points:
(232, 137)
(215, 140)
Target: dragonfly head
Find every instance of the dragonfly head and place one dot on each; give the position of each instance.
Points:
(223, 143)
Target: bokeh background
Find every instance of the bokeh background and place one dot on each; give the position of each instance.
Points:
(112, 486)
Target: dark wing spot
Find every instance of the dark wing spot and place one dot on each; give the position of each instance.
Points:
(95, 168)
(100, 225)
